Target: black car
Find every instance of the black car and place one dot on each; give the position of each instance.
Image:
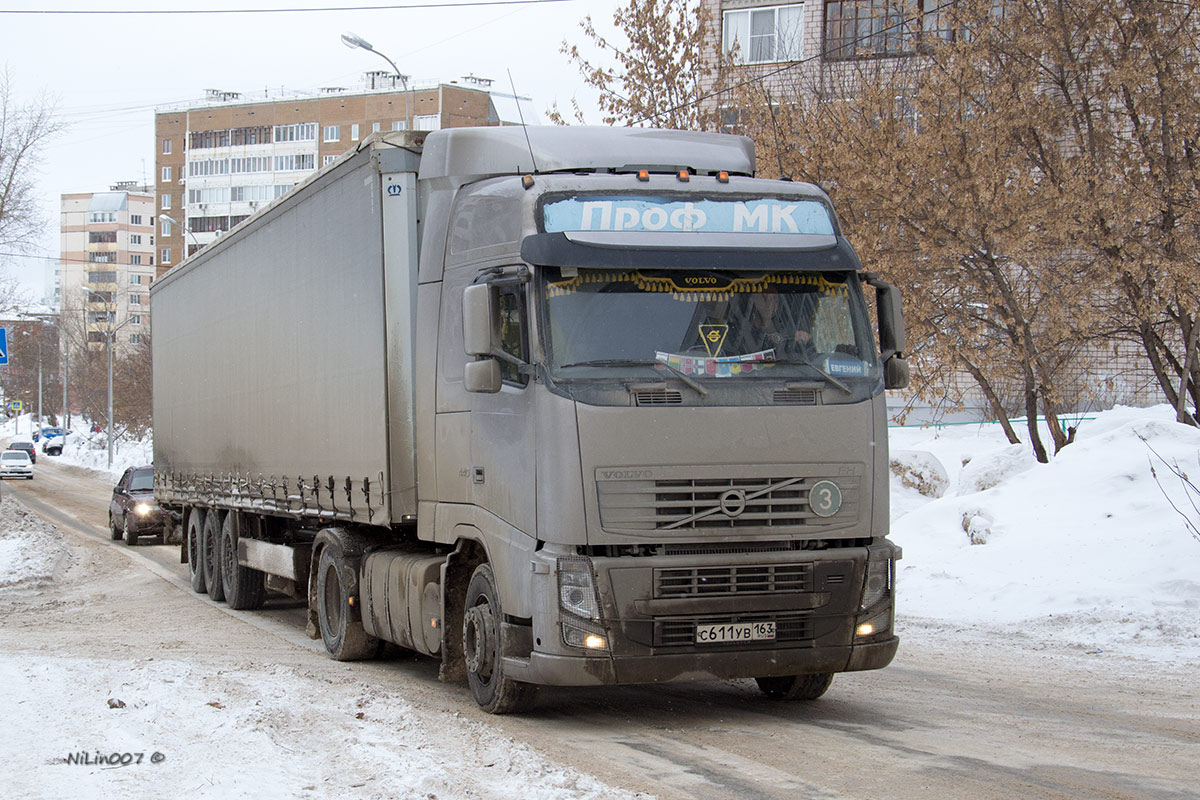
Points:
(133, 512)
(27, 447)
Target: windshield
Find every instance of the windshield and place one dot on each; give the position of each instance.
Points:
(141, 480)
(708, 324)
(14, 455)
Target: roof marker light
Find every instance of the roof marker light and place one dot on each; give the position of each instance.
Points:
(722, 177)
(526, 181)
(684, 175)
(643, 175)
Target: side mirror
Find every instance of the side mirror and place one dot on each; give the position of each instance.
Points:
(482, 376)
(891, 320)
(479, 319)
(895, 373)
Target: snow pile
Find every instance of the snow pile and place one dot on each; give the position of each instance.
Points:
(83, 448)
(251, 731)
(31, 551)
(1086, 550)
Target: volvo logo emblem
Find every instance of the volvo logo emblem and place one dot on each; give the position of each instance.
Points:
(733, 503)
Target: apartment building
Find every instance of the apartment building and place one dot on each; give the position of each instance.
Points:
(219, 161)
(107, 261)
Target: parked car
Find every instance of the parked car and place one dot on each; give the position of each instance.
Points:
(52, 443)
(27, 447)
(15, 464)
(133, 512)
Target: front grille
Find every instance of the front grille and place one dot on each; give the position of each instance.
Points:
(718, 581)
(795, 397)
(678, 632)
(666, 500)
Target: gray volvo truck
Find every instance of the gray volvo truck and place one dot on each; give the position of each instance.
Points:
(557, 406)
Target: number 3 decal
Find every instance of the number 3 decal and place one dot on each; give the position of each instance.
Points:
(824, 498)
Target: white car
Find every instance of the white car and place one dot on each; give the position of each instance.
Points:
(15, 464)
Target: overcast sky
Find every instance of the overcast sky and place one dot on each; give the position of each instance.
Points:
(106, 73)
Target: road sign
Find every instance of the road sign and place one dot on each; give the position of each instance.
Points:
(3, 346)
(15, 406)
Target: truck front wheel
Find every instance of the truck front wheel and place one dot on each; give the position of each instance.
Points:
(795, 687)
(343, 635)
(212, 564)
(195, 549)
(495, 692)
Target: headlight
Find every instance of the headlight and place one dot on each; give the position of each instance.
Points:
(878, 583)
(576, 590)
(142, 509)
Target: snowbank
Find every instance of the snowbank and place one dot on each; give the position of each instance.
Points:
(86, 449)
(31, 551)
(1085, 550)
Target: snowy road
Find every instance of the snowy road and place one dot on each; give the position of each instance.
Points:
(959, 714)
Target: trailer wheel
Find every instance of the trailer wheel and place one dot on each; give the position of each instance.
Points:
(212, 564)
(245, 588)
(113, 530)
(195, 549)
(495, 692)
(131, 538)
(796, 687)
(344, 636)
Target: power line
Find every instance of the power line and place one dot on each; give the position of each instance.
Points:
(162, 11)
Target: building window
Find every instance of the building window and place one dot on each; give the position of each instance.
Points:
(102, 237)
(102, 216)
(135, 260)
(400, 125)
(251, 194)
(135, 280)
(166, 147)
(166, 173)
(427, 122)
(375, 127)
(135, 238)
(863, 28)
(135, 219)
(354, 133)
(102, 258)
(135, 338)
(164, 257)
(294, 163)
(300, 132)
(166, 201)
(333, 133)
(328, 160)
(102, 277)
(166, 227)
(771, 33)
(135, 319)
(135, 299)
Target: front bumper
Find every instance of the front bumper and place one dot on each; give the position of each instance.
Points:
(150, 523)
(559, 670)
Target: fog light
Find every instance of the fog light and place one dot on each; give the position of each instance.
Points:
(880, 623)
(578, 637)
(866, 629)
(595, 642)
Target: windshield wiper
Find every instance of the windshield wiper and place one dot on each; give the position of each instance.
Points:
(633, 362)
(835, 381)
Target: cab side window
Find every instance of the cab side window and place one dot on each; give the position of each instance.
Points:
(512, 334)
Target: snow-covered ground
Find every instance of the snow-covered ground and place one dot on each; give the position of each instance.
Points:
(1088, 550)
(84, 448)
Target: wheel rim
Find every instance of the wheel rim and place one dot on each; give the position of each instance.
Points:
(332, 600)
(227, 559)
(478, 640)
(209, 551)
(193, 549)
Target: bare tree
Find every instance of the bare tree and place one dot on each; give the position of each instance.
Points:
(24, 130)
(659, 73)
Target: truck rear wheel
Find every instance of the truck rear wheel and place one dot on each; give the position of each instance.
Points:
(344, 636)
(245, 588)
(195, 549)
(495, 692)
(796, 687)
(212, 565)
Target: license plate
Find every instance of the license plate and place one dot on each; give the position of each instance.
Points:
(738, 632)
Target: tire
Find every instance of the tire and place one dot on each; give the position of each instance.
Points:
(131, 538)
(796, 687)
(342, 633)
(113, 530)
(245, 588)
(195, 549)
(495, 692)
(212, 564)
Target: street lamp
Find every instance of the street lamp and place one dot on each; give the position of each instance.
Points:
(353, 40)
(188, 231)
(108, 337)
